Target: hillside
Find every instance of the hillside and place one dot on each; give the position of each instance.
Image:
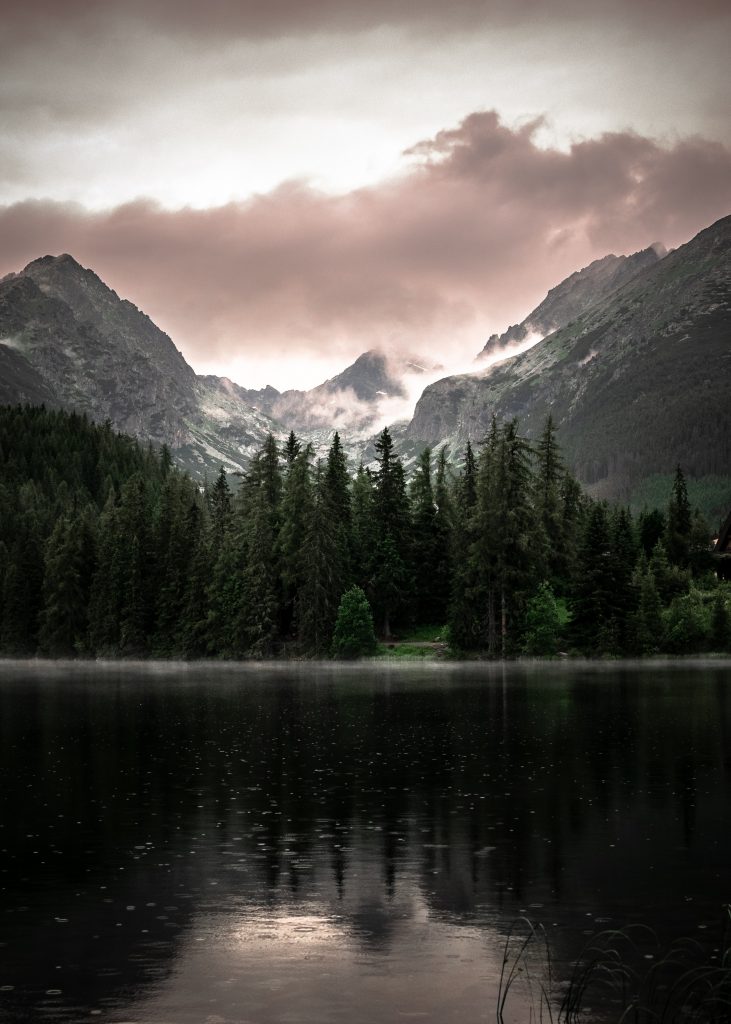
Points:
(572, 297)
(636, 384)
(70, 341)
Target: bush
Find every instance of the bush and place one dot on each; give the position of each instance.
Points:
(687, 624)
(543, 623)
(354, 636)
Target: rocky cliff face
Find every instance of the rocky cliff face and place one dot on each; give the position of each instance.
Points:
(573, 297)
(68, 339)
(637, 383)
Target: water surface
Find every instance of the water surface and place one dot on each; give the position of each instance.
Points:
(317, 843)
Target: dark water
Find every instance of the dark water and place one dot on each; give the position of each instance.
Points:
(228, 844)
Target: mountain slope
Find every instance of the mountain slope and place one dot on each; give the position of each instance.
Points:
(573, 297)
(68, 339)
(638, 383)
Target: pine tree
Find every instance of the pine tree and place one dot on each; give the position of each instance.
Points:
(651, 529)
(193, 636)
(353, 636)
(21, 600)
(543, 623)
(390, 574)
(323, 573)
(219, 507)
(679, 517)
(593, 604)
(549, 537)
(466, 623)
(292, 448)
(442, 568)
(428, 602)
(296, 512)
(646, 624)
(515, 568)
(363, 531)
(255, 605)
(336, 493)
(64, 618)
(624, 551)
(106, 586)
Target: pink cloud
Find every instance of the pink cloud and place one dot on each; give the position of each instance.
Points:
(467, 240)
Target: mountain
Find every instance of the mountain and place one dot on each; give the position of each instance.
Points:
(572, 297)
(352, 401)
(638, 382)
(68, 340)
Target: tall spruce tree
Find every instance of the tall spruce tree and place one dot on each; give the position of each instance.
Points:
(466, 621)
(363, 530)
(679, 521)
(391, 575)
(324, 572)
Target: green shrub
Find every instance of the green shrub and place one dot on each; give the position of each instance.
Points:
(354, 636)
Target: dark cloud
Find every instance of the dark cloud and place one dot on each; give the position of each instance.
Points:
(253, 18)
(469, 239)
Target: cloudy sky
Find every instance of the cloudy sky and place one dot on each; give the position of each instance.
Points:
(282, 184)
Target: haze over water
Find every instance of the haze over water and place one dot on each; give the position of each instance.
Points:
(319, 843)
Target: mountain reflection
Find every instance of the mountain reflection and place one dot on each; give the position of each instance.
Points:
(220, 834)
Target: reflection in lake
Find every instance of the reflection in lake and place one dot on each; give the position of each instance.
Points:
(313, 844)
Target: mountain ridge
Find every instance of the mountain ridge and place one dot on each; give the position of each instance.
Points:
(626, 381)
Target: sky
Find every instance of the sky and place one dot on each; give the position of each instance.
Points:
(283, 184)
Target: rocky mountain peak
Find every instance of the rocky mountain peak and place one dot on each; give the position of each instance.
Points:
(573, 296)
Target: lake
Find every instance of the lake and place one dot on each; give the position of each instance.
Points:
(317, 843)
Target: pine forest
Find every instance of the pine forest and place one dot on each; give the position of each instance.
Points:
(107, 550)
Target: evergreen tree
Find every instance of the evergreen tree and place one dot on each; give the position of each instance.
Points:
(487, 534)
(106, 586)
(543, 623)
(651, 529)
(353, 636)
(64, 618)
(193, 636)
(679, 520)
(292, 448)
(549, 477)
(390, 575)
(647, 627)
(443, 525)
(515, 529)
(687, 624)
(21, 599)
(624, 551)
(720, 623)
(218, 500)
(429, 598)
(255, 603)
(323, 573)
(363, 531)
(466, 625)
(670, 581)
(335, 486)
(593, 600)
(296, 513)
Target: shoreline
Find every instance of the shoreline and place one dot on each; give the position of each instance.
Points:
(163, 664)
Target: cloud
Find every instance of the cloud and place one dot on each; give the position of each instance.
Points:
(468, 239)
(256, 18)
